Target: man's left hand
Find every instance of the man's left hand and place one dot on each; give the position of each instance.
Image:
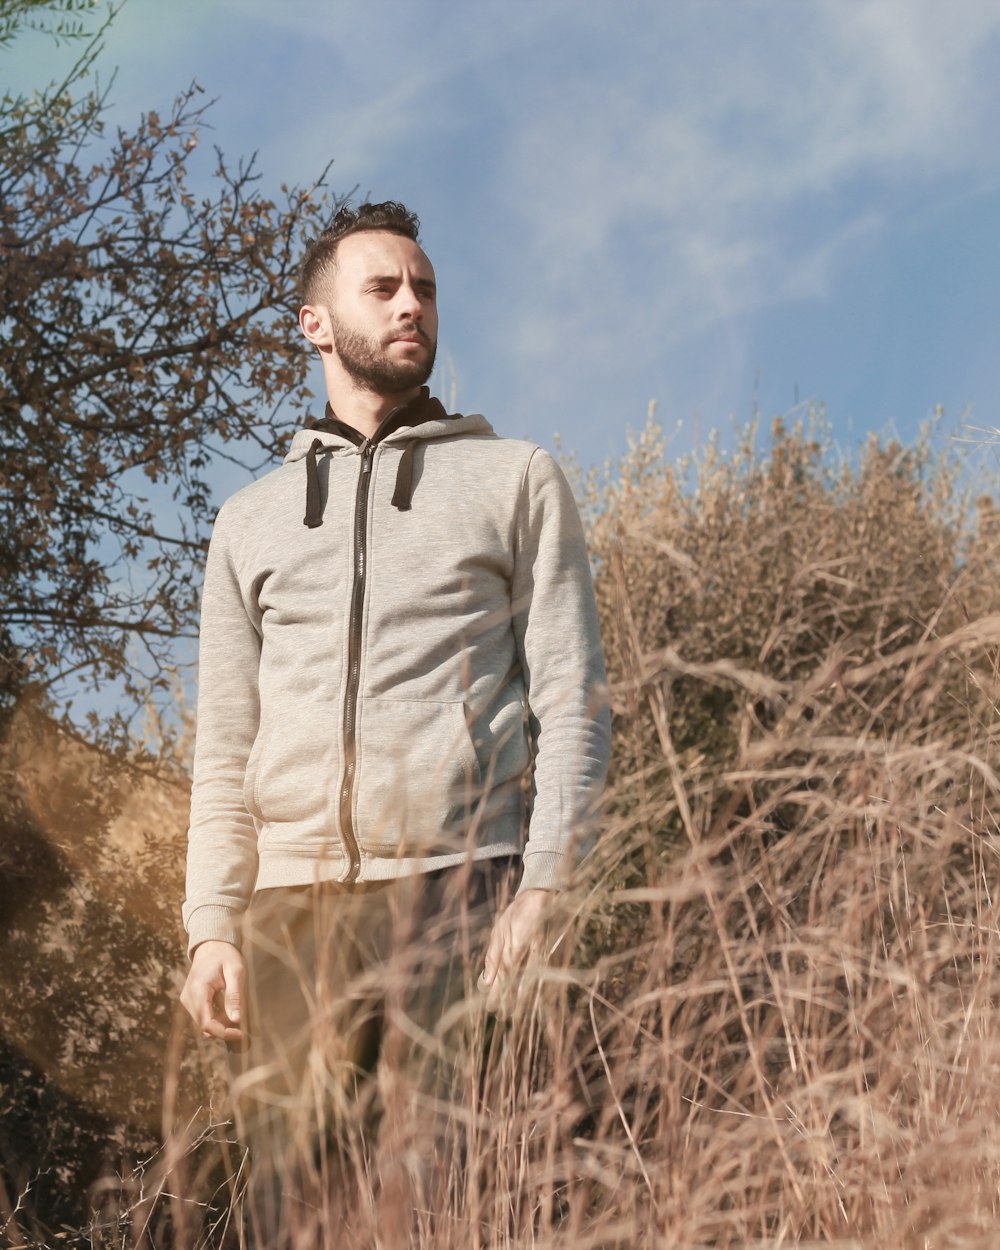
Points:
(515, 936)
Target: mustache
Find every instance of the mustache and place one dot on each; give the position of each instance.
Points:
(406, 331)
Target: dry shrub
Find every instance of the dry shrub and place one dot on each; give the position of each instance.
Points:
(798, 1038)
(91, 868)
(770, 1011)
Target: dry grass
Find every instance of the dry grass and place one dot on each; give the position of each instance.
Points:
(770, 1015)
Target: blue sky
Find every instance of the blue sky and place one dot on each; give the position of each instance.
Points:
(689, 202)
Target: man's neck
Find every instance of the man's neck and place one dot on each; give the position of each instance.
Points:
(364, 411)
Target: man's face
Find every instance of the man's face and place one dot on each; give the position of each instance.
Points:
(382, 302)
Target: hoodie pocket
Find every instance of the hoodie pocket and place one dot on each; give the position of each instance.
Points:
(418, 777)
(284, 783)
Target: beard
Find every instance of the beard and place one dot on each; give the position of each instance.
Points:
(368, 363)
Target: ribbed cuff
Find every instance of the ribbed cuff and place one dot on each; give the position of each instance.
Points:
(213, 923)
(544, 870)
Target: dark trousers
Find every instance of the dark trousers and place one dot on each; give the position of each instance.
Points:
(366, 1033)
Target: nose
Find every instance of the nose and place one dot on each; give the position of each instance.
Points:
(408, 305)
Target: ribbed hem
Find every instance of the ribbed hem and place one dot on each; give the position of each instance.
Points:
(213, 923)
(544, 870)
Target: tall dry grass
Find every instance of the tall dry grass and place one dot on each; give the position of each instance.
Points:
(770, 1009)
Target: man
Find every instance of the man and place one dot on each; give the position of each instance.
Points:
(390, 620)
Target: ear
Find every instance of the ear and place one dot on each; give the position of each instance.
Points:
(314, 322)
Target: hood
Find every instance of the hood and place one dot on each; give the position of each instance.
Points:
(424, 418)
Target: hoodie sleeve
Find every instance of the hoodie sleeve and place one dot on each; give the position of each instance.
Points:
(222, 839)
(555, 623)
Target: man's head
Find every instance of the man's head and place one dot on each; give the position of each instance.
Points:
(370, 300)
(320, 261)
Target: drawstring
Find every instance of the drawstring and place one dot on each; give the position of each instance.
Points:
(402, 496)
(314, 509)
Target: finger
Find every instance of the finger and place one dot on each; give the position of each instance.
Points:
(498, 987)
(494, 958)
(214, 1020)
(510, 955)
(207, 1016)
(232, 1002)
(529, 949)
(499, 996)
(222, 1032)
(199, 999)
(196, 999)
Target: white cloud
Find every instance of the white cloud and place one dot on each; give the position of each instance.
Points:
(654, 205)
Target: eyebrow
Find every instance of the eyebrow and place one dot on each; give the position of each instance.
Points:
(428, 284)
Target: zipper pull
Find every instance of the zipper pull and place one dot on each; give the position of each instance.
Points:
(367, 451)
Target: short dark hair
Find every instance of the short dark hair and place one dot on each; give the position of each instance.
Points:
(320, 258)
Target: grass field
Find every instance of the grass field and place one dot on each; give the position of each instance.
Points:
(769, 1014)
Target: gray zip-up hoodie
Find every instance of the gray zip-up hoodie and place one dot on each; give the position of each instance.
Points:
(367, 679)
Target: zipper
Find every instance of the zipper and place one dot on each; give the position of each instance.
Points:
(347, 829)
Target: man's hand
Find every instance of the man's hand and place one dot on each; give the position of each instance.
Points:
(213, 992)
(512, 940)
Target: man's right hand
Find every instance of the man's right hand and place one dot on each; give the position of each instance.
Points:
(213, 991)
